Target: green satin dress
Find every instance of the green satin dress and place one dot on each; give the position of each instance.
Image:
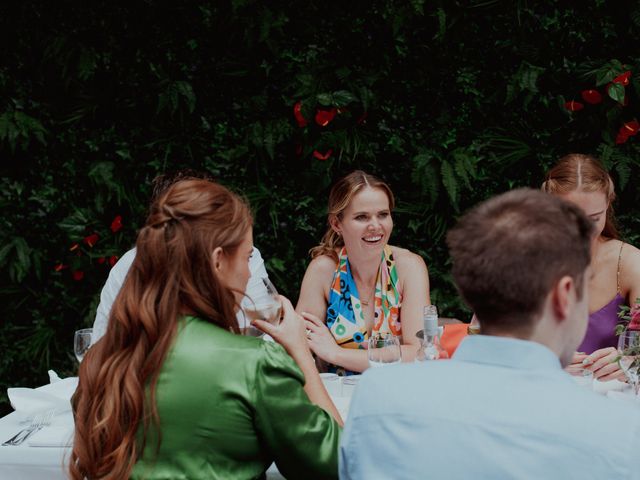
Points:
(231, 405)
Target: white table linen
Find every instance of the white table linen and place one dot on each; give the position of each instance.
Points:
(45, 455)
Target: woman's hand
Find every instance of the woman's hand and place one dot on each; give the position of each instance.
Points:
(603, 365)
(320, 339)
(290, 332)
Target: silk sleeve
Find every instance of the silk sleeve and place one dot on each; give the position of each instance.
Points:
(301, 437)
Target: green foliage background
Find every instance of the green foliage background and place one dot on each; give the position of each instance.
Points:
(449, 101)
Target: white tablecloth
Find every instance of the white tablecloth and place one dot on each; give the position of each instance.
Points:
(26, 462)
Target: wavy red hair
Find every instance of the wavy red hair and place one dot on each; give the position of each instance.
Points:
(172, 275)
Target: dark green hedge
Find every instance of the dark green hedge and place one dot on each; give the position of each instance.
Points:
(448, 101)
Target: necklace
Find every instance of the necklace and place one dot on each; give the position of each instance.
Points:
(366, 304)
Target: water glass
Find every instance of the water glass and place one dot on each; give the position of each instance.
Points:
(82, 342)
(263, 305)
(384, 349)
(629, 359)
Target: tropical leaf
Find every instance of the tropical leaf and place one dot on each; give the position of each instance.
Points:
(450, 182)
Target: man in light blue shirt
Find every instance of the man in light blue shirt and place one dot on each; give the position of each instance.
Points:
(502, 407)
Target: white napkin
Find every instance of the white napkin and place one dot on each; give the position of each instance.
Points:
(54, 396)
(611, 386)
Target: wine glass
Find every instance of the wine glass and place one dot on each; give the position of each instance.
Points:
(82, 342)
(629, 359)
(384, 349)
(264, 304)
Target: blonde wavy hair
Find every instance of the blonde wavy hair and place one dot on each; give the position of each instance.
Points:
(339, 198)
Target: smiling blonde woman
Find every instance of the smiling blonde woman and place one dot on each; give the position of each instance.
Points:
(357, 283)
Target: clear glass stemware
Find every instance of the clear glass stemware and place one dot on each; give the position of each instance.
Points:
(264, 304)
(384, 349)
(629, 359)
(82, 342)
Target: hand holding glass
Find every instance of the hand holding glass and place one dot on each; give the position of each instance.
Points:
(265, 305)
(82, 342)
(384, 349)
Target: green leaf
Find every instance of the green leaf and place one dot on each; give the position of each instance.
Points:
(325, 99)
(450, 183)
(616, 92)
(342, 98)
(624, 173)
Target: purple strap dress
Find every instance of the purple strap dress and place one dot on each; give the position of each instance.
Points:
(601, 331)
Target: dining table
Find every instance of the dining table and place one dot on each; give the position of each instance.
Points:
(45, 454)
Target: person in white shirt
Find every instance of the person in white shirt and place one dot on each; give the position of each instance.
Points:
(117, 275)
(502, 407)
(119, 272)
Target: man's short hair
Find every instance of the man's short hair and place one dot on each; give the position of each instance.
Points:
(509, 251)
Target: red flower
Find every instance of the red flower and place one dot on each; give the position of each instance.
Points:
(101, 260)
(631, 128)
(323, 117)
(628, 129)
(363, 118)
(297, 112)
(573, 106)
(91, 240)
(113, 259)
(591, 96)
(623, 79)
(59, 267)
(621, 138)
(77, 275)
(634, 313)
(322, 156)
(116, 224)
(74, 247)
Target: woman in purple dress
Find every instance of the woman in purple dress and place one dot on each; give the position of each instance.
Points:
(615, 265)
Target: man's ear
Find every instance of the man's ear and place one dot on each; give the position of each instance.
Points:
(217, 259)
(561, 297)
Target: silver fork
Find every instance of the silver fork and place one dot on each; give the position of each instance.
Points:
(39, 421)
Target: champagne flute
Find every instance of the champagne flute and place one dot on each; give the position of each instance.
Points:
(629, 359)
(383, 349)
(263, 305)
(82, 342)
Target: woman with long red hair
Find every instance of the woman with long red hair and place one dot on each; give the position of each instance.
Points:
(173, 390)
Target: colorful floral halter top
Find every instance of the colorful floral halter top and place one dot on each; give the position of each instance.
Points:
(344, 312)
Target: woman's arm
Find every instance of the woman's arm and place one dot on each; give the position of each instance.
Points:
(414, 278)
(314, 291)
(291, 334)
(312, 305)
(324, 345)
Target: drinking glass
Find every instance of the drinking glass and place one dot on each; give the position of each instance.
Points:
(82, 342)
(384, 349)
(263, 305)
(629, 360)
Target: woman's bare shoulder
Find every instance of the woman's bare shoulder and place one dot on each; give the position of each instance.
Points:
(630, 256)
(322, 265)
(406, 259)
